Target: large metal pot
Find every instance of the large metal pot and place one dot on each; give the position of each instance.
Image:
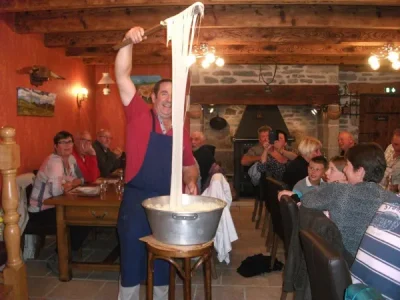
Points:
(183, 228)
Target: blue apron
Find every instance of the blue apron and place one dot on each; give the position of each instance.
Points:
(152, 180)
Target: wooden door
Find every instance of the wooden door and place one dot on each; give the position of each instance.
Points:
(379, 117)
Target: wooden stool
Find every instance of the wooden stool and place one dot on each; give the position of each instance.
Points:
(159, 250)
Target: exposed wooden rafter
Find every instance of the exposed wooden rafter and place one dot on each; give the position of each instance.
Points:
(23, 5)
(243, 59)
(227, 36)
(217, 16)
(341, 32)
(237, 49)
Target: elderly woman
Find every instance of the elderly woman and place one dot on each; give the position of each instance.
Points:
(297, 169)
(352, 206)
(58, 173)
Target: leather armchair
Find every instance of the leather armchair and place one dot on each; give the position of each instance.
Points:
(328, 271)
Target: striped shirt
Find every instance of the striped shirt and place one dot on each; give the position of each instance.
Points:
(377, 262)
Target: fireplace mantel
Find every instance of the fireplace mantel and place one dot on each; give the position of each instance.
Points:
(257, 95)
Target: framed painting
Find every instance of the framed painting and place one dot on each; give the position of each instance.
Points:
(145, 85)
(35, 103)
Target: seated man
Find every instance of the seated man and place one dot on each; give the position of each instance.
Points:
(86, 156)
(107, 160)
(377, 262)
(203, 155)
(254, 153)
(345, 142)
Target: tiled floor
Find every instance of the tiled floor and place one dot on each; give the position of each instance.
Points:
(43, 284)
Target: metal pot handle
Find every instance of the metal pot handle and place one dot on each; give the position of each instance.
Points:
(187, 217)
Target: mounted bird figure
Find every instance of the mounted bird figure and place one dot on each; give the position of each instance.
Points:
(39, 74)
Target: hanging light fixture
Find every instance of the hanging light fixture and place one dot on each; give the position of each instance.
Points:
(106, 79)
(206, 54)
(389, 52)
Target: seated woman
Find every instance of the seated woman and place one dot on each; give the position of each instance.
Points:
(273, 160)
(59, 173)
(297, 169)
(352, 206)
(335, 170)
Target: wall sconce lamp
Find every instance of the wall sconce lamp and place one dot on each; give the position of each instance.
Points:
(81, 95)
(106, 79)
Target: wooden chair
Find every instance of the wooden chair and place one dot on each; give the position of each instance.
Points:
(276, 230)
(327, 269)
(14, 275)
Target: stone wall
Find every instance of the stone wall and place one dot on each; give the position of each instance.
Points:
(251, 75)
(298, 119)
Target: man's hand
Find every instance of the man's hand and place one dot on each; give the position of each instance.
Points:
(191, 188)
(89, 150)
(118, 152)
(267, 147)
(136, 35)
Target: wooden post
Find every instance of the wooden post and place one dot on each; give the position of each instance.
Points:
(15, 270)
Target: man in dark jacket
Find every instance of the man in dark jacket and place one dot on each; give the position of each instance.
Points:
(203, 154)
(107, 160)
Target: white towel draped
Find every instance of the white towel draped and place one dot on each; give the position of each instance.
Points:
(226, 232)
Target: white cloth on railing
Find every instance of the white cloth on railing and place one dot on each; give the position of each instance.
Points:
(226, 232)
(23, 181)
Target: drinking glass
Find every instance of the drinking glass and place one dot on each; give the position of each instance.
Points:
(103, 189)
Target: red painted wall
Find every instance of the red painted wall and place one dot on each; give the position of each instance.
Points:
(109, 110)
(35, 134)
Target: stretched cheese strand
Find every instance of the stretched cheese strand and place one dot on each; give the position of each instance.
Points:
(181, 30)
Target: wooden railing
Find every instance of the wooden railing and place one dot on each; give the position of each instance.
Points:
(15, 270)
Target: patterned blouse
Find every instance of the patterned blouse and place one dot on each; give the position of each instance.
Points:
(272, 167)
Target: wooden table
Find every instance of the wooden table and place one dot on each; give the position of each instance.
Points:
(83, 211)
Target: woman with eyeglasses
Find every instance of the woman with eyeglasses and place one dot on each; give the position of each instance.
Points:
(58, 173)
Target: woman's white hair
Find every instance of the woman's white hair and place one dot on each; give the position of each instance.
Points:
(308, 145)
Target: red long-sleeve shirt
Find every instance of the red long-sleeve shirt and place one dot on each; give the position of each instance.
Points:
(88, 166)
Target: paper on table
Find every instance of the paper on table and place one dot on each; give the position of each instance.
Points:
(89, 190)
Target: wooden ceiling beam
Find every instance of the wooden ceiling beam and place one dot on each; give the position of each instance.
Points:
(237, 49)
(23, 5)
(216, 16)
(256, 95)
(162, 58)
(216, 37)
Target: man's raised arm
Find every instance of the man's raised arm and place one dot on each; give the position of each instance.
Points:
(123, 66)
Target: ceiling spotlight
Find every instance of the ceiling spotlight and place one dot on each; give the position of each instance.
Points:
(205, 63)
(207, 53)
(220, 62)
(389, 52)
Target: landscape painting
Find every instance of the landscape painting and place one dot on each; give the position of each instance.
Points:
(145, 84)
(35, 103)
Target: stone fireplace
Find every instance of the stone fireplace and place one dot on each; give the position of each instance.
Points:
(298, 118)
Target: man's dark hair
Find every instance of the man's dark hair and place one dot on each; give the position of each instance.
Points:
(156, 88)
(371, 157)
(278, 131)
(320, 160)
(61, 136)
